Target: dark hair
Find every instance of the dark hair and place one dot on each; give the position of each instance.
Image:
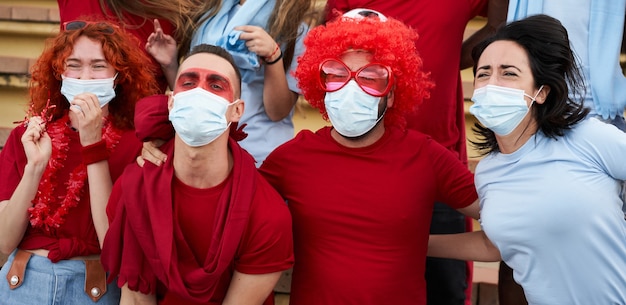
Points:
(552, 63)
(219, 51)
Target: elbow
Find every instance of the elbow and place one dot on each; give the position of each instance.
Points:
(6, 248)
(276, 116)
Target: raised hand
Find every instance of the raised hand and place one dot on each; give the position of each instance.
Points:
(161, 46)
(36, 142)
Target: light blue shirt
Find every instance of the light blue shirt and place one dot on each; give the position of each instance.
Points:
(553, 210)
(595, 29)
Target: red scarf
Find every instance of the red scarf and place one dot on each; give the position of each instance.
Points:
(142, 237)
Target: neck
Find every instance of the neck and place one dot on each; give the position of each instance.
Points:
(365, 140)
(516, 139)
(202, 167)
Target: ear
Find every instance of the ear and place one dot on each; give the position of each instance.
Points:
(236, 111)
(170, 100)
(542, 95)
(390, 99)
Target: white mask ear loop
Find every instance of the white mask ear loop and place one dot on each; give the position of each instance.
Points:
(533, 99)
(229, 105)
(536, 94)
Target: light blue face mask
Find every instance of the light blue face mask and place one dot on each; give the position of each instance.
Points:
(103, 88)
(199, 116)
(351, 110)
(500, 109)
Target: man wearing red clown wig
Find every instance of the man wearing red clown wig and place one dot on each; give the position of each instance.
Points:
(361, 192)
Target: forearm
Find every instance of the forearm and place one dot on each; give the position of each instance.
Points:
(496, 17)
(278, 99)
(14, 212)
(100, 186)
(170, 73)
(250, 289)
(473, 246)
(471, 42)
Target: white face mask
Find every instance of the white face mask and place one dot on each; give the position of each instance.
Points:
(500, 109)
(199, 116)
(103, 88)
(351, 110)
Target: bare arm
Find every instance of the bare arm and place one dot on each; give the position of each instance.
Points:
(130, 297)
(100, 186)
(278, 99)
(496, 17)
(473, 246)
(249, 289)
(472, 210)
(14, 212)
(88, 119)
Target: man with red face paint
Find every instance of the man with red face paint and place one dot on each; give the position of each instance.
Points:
(205, 227)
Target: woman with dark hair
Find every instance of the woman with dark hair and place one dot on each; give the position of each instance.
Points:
(58, 166)
(549, 184)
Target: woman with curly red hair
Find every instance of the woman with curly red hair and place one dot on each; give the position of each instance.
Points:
(58, 166)
(361, 192)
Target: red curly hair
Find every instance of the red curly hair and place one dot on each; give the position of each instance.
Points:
(134, 80)
(391, 43)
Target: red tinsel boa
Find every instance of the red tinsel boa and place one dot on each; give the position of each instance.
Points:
(49, 212)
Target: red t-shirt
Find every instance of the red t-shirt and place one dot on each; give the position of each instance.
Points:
(77, 236)
(361, 216)
(70, 10)
(266, 245)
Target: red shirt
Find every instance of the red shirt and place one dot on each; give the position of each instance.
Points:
(192, 221)
(77, 236)
(361, 216)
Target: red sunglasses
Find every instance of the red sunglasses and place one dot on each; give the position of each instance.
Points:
(374, 78)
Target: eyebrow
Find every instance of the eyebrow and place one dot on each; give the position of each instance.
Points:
(92, 61)
(510, 66)
(189, 74)
(210, 77)
(487, 67)
(218, 78)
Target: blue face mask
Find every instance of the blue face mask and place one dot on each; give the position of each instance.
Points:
(351, 110)
(199, 116)
(500, 109)
(103, 88)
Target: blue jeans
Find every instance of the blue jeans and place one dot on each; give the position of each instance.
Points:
(48, 283)
(446, 279)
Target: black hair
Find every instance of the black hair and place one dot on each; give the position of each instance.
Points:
(552, 63)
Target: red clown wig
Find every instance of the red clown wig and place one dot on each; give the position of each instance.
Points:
(121, 50)
(390, 42)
